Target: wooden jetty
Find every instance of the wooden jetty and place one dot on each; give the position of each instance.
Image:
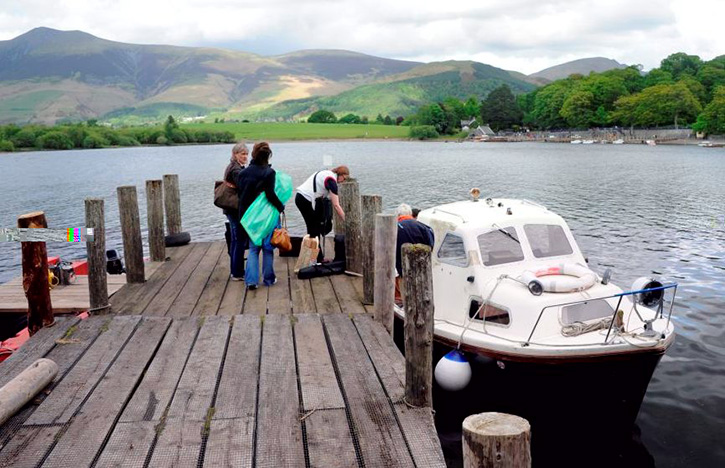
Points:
(191, 369)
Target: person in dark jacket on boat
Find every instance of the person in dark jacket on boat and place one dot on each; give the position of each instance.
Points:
(237, 244)
(410, 231)
(258, 177)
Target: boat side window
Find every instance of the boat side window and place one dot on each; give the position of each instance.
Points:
(547, 240)
(452, 251)
(498, 247)
(491, 313)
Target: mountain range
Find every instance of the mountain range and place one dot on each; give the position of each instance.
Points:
(47, 75)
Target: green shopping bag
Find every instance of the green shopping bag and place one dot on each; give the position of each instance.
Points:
(261, 217)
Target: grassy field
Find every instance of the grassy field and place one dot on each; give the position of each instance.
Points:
(304, 131)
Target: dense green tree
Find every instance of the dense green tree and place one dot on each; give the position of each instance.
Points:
(388, 120)
(379, 119)
(499, 110)
(657, 76)
(712, 74)
(25, 138)
(94, 141)
(350, 119)
(322, 116)
(471, 108)
(658, 105)
(170, 126)
(6, 145)
(695, 87)
(577, 109)
(54, 140)
(712, 118)
(423, 132)
(680, 63)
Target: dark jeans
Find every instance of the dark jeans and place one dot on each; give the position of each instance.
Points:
(238, 245)
(311, 221)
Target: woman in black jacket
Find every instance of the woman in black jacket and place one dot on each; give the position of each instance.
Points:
(258, 177)
(237, 246)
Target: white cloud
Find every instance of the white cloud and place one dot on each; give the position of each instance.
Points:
(522, 35)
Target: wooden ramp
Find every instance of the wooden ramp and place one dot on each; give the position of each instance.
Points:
(195, 281)
(219, 391)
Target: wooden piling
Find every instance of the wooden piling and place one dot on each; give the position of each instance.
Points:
(386, 234)
(371, 206)
(131, 233)
(338, 225)
(496, 440)
(35, 275)
(96, 254)
(25, 386)
(418, 300)
(350, 201)
(172, 204)
(155, 213)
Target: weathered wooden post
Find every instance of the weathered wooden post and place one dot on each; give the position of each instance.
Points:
(418, 300)
(350, 201)
(496, 440)
(338, 225)
(96, 253)
(23, 388)
(131, 233)
(155, 214)
(371, 206)
(35, 275)
(386, 234)
(172, 203)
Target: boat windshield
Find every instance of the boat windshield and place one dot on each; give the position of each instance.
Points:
(500, 246)
(547, 240)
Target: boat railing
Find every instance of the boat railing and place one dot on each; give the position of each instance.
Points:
(659, 313)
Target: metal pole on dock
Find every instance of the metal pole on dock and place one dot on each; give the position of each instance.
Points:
(172, 203)
(131, 233)
(155, 213)
(371, 206)
(496, 440)
(96, 254)
(350, 201)
(35, 275)
(386, 234)
(418, 300)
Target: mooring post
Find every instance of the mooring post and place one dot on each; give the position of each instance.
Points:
(338, 225)
(96, 254)
(35, 275)
(371, 206)
(386, 234)
(496, 440)
(155, 213)
(350, 201)
(418, 300)
(172, 204)
(25, 386)
(131, 233)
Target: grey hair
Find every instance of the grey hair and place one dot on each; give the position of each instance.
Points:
(404, 210)
(239, 147)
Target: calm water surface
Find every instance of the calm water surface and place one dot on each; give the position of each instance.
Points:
(636, 209)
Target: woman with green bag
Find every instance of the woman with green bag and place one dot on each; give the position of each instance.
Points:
(257, 178)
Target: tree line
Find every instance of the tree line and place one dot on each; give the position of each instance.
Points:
(325, 116)
(683, 91)
(90, 135)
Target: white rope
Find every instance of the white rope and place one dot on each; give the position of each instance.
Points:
(470, 320)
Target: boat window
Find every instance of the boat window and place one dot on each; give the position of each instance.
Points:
(500, 246)
(452, 251)
(547, 240)
(490, 313)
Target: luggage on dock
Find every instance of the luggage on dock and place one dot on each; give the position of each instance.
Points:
(321, 269)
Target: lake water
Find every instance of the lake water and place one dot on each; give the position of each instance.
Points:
(636, 209)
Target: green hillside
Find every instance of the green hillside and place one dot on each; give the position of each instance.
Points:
(403, 94)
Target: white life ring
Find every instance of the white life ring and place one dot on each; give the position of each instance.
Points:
(564, 278)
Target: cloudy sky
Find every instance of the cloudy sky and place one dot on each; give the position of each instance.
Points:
(521, 35)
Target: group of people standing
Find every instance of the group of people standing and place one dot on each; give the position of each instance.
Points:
(253, 177)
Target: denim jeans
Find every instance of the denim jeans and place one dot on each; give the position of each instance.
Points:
(237, 247)
(251, 276)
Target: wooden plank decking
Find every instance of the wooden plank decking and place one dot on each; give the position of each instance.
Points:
(244, 391)
(193, 370)
(195, 281)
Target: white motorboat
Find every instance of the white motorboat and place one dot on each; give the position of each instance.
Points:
(651, 142)
(618, 141)
(576, 142)
(587, 142)
(706, 144)
(511, 285)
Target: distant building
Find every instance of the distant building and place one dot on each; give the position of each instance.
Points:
(467, 124)
(482, 132)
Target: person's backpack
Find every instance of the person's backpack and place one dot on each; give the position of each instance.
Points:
(323, 209)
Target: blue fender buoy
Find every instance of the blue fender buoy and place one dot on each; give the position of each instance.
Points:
(453, 372)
